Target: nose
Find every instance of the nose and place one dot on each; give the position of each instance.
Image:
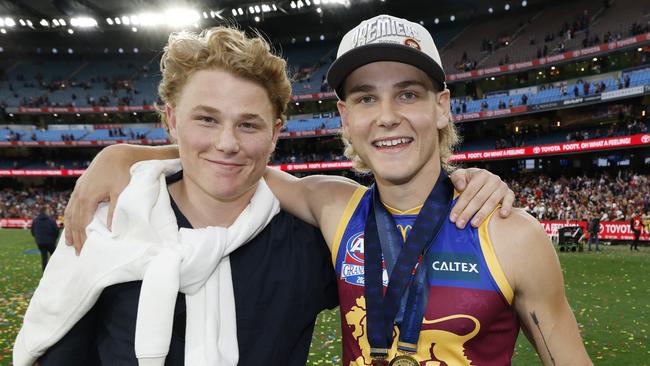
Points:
(387, 116)
(227, 140)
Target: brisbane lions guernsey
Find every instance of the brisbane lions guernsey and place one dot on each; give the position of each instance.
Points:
(469, 318)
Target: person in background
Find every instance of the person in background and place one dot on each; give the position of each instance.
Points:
(45, 232)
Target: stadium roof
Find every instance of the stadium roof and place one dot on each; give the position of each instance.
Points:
(281, 20)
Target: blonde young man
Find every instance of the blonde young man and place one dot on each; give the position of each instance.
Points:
(225, 117)
(413, 288)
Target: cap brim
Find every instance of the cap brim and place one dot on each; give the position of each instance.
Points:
(363, 55)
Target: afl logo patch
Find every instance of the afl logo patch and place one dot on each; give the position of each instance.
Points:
(412, 43)
(354, 248)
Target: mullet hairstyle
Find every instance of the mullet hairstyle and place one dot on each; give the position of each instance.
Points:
(448, 138)
(225, 48)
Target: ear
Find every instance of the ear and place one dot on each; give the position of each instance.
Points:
(170, 114)
(343, 112)
(443, 109)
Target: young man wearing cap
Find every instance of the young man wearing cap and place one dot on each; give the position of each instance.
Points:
(413, 288)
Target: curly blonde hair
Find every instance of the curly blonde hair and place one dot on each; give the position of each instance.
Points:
(225, 48)
(448, 138)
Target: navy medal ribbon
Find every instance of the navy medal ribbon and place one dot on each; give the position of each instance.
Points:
(381, 235)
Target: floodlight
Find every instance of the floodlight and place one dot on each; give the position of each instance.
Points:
(452, 18)
(318, 10)
(507, 7)
(117, 20)
(70, 52)
(524, 3)
(3, 31)
(490, 10)
(436, 20)
(70, 31)
(9, 22)
(55, 22)
(43, 22)
(293, 5)
(22, 22)
(257, 9)
(83, 22)
(62, 22)
(257, 19)
(55, 51)
(109, 21)
(126, 20)
(234, 12)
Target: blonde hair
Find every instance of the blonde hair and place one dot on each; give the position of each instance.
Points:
(448, 138)
(225, 48)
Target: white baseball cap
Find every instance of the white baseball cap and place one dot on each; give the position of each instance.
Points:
(385, 38)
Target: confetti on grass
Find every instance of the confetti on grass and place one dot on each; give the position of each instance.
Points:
(609, 293)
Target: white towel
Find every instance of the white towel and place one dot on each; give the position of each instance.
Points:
(145, 244)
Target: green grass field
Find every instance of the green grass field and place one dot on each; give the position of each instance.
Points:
(609, 293)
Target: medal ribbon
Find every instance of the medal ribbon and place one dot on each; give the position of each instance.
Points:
(381, 234)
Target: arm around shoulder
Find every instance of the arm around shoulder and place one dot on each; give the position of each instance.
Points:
(532, 267)
(315, 199)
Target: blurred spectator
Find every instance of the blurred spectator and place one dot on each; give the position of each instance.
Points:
(45, 232)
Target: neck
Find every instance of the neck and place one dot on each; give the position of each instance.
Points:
(203, 210)
(411, 193)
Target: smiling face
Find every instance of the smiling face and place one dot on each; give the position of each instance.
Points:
(392, 116)
(226, 129)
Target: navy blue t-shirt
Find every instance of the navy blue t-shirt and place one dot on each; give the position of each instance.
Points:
(282, 279)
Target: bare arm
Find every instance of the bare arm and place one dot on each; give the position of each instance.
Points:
(321, 199)
(103, 181)
(533, 269)
(317, 199)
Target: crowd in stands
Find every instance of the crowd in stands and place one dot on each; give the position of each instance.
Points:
(554, 42)
(609, 197)
(25, 203)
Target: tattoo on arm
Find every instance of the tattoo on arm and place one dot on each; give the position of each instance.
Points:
(536, 321)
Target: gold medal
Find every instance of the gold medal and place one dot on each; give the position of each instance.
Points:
(404, 360)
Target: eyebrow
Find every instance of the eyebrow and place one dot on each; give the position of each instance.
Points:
(217, 111)
(366, 88)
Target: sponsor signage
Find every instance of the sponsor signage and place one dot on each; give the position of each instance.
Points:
(628, 92)
(585, 52)
(64, 110)
(568, 147)
(18, 223)
(489, 114)
(323, 132)
(519, 152)
(83, 143)
(620, 230)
